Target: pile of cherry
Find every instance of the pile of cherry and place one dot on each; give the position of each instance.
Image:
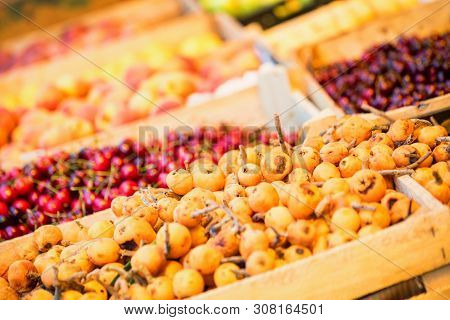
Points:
(391, 75)
(64, 187)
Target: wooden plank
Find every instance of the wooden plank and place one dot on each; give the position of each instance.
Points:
(437, 284)
(414, 190)
(354, 269)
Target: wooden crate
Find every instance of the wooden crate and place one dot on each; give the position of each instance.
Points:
(400, 252)
(78, 63)
(145, 13)
(328, 21)
(422, 21)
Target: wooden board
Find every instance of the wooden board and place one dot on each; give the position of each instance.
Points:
(423, 21)
(437, 285)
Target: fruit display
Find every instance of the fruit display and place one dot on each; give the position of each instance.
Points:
(390, 75)
(63, 187)
(258, 209)
(155, 79)
(330, 20)
(91, 30)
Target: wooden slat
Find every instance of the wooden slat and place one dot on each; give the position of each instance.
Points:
(355, 269)
(437, 284)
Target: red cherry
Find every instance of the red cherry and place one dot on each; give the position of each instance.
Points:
(12, 232)
(6, 194)
(129, 172)
(101, 163)
(21, 205)
(151, 175)
(100, 204)
(37, 219)
(162, 180)
(63, 196)
(53, 206)
(3, 209)
(117, 162)
(33, 197)
(128, 187)
(43, 200)
(3, 235)
(23, 228)
(23, 185)
(171, 166)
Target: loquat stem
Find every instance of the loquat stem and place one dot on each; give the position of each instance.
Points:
(280, 133)
(93, 275)
(240, 273)
(419, 161)
(434, 121)
(318, 183)
(258, 217)
(213, 229)
(423, 121)
(277, 239)
(380, 127)
(323, 206)
(236, 223)
(396, 172)
(205, 211)
(443, 139)
(233, 259)
(359, 206)
(121, 272)
(375, 111)
(242, 155)
(167, 240)
(127, 253)
(76, 276)
(351, 144)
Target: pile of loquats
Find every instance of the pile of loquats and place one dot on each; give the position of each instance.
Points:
(257, 209)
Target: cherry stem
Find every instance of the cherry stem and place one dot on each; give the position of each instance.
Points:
(419, 161)
(396, 172)
(280, 133)
(375, 111)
